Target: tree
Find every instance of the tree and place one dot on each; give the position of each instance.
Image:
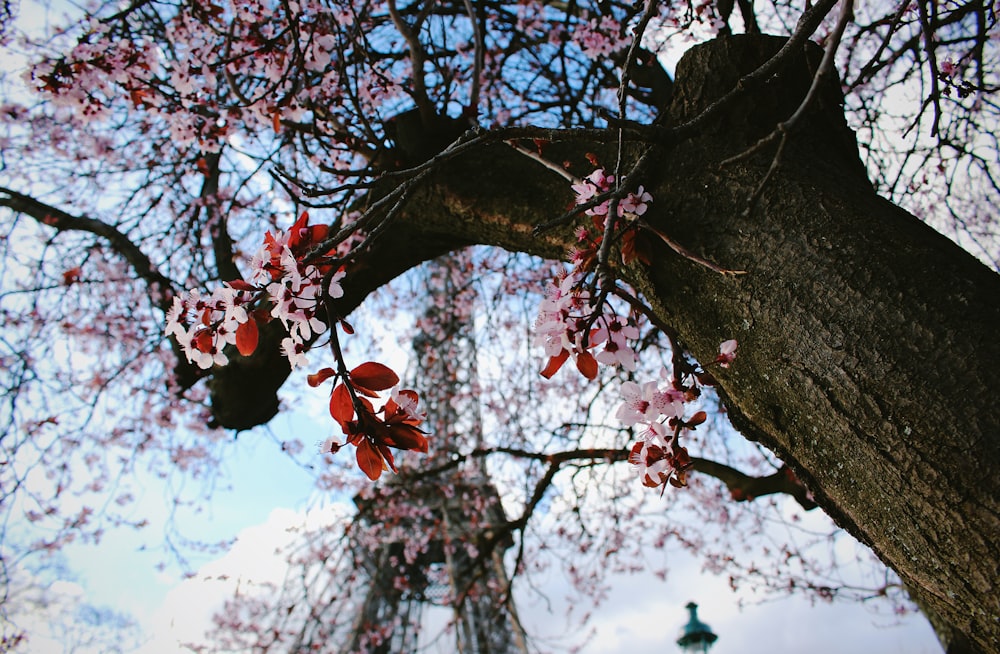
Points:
(731, 203)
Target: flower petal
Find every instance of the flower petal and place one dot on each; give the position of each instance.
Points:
(555, 363)
(587, 365)
(246, 337)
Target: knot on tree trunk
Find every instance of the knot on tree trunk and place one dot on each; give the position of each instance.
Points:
(710, 71)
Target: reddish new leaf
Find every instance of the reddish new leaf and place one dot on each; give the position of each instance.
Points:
(320, 376)
(406, 437)
(369, 459)
(246, 337)
(554, 364)
(203, 340)
(71, 276)
(341, 407)
(587, 365)
(371, 377)
(241, 285)
(390, 461)
(696, 419)
(297, 231)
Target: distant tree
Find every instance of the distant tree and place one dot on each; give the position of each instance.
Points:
(242, 176)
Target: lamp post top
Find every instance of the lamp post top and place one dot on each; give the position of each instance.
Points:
(696, 636)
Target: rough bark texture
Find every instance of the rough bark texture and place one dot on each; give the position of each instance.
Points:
(869, 358)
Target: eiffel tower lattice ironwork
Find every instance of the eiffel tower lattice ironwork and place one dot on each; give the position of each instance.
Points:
(454, 515)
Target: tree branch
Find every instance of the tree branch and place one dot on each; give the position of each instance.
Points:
(160, 287)
(745, 488)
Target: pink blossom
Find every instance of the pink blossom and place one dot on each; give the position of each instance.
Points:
(727, 353)
(638, 405)
(635, 203)
(294, 352)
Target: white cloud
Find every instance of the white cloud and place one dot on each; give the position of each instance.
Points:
(187, 611)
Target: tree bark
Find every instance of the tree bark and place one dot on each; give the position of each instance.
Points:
(868, 358)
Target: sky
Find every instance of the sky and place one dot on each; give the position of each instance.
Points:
(269, 494)
(640, 613)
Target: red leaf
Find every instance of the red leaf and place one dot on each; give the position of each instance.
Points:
(369, 459)
(71, 276)
(406, 437)
(203, 340)
(246, 337)
(297, 231)
(341, 407)
(372, 376)
(261, 316)
(587, 365)
(554, 364)
(316, 233)
(347, 327)
(387, 457)
(241, 285)
(320, 376)
(696, 420)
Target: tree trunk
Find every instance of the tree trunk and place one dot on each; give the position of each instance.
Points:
(869, 357)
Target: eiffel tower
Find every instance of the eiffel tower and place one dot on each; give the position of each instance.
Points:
(453, 510)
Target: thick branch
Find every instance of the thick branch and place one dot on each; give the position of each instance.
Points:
(743, 487)
(161, 288)
(222, 242)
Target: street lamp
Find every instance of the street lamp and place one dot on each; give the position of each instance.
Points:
(695, 635)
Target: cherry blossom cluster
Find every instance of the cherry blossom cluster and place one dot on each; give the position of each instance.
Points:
(660, 407)
(630, 208)
(205, 324)
(571, 320)
(599, 182)
(658, 453)
(600, 38)
(284, 287)
(949, 73)
(569, 325)
(294, 288)
(239, 47)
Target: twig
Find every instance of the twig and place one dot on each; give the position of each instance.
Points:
(551, 165)
(928, 30)
(688, 254)
(477, 66)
